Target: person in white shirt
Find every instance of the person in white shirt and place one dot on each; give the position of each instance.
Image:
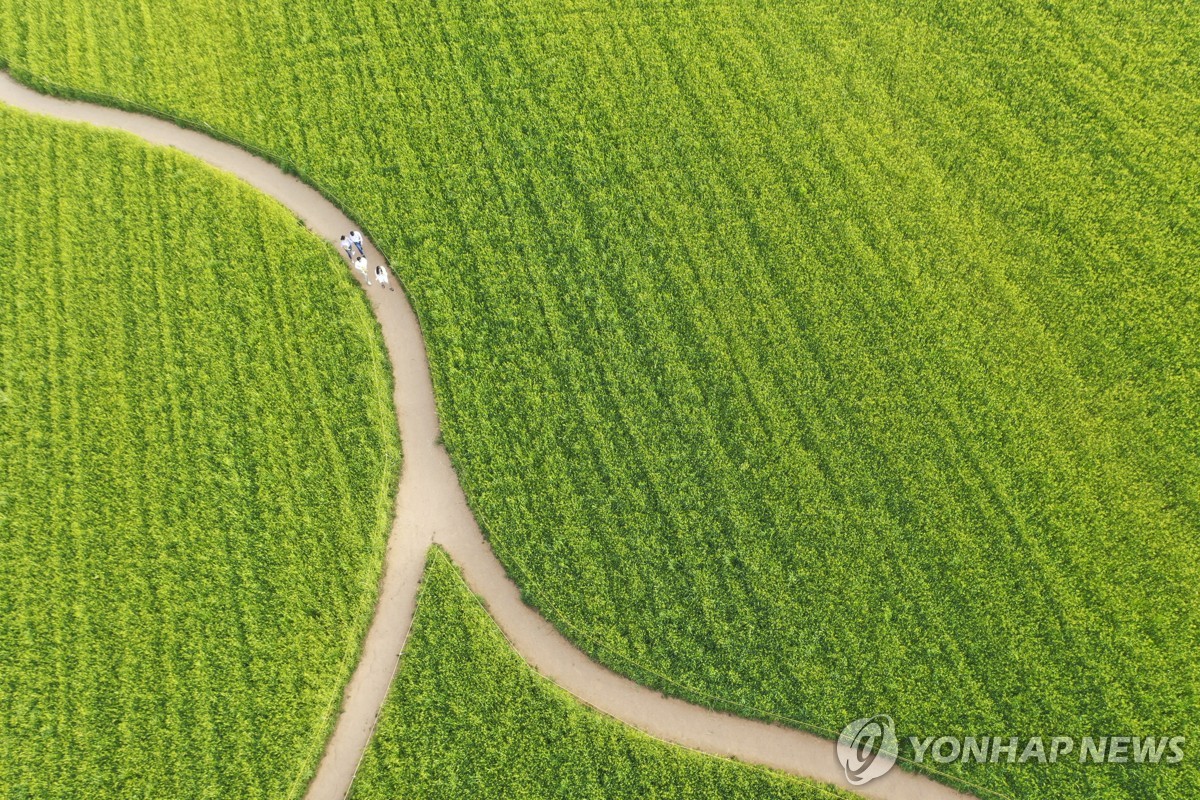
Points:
(348, 247)
(360, 264)
(356, 240)
(382, 276)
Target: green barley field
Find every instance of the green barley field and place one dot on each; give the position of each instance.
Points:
(811, 359)
(466, 717)
(197, 459)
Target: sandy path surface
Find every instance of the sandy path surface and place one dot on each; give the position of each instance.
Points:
(431, 507)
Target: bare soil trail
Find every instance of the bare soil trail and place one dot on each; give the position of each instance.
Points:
(431, 507)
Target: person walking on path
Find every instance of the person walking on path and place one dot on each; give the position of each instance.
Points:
(360, 264)
(356, 240)
(382, 276)
(348, 246)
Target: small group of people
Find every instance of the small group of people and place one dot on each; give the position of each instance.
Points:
(354, 241)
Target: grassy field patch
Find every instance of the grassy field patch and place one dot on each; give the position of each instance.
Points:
(467, 717)
(197, 458)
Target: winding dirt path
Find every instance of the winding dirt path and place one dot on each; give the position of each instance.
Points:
(431, 507)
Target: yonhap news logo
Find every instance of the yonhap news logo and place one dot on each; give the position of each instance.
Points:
(868, 748)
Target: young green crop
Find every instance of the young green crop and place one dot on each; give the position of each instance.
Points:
(197, 460)
(828, 358)
(467, 717)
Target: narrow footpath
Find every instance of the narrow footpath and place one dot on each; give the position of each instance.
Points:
(431, 507)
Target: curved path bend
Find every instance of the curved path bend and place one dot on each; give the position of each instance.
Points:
(431, 507)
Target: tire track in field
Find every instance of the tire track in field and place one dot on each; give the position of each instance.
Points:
(431, 508)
